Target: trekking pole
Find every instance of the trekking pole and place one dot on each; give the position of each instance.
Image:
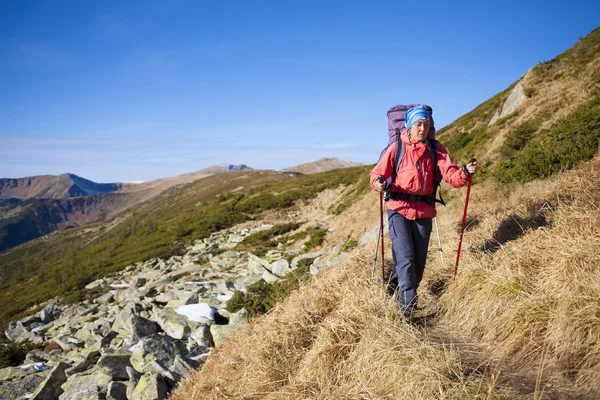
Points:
(376, 253)
(437, 229)
(379, 233)
(462, 229)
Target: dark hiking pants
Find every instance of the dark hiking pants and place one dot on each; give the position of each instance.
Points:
(410, 240)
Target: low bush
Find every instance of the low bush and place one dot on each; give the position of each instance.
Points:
(262, 296)
(567, 143)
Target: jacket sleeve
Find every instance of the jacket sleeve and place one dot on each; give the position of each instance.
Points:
(451, 172)
(385, 166)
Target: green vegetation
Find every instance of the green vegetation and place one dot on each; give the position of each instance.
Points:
(572, 62)
(530, 92)
(316, 238)
(465, 145)
(263, 241)
(12, 354)
(563, 146)
(349, 244)
(351, 195)
(66, 261)
(261, 297)
(518, 137)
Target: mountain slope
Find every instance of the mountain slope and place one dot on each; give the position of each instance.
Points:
(324, 164)
(550, 123)
(53, 187)
(65, 261)
(57, 202)
(520, 322)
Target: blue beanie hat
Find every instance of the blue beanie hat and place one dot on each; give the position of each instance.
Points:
(415, 114)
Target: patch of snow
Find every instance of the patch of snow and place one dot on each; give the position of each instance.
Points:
(38, 366)
(73, 340)
(119, 285)
(197, 312)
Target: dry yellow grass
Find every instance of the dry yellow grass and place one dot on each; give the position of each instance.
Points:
(337, 338)
(521, 321)
(542, 290)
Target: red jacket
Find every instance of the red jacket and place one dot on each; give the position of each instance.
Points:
(415, 176)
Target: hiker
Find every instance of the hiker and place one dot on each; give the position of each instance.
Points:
(410, 203)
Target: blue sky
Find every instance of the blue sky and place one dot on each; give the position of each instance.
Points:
(140, 90)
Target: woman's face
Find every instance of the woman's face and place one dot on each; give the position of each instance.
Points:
(419, 130)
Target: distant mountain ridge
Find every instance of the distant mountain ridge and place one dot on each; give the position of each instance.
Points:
(34, 206)
(322, 165)
(54, 187)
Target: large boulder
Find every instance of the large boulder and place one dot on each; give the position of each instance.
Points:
(172, 323)
(50, 388)
(157, 354)
(150, 387)
(114, 364)
(91, 384)
(19, 388)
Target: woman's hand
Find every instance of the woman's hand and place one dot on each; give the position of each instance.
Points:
(471, 167)
(379, 185)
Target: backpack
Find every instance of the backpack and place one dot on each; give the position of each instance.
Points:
(396, 124)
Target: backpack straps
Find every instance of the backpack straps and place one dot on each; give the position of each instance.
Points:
(400, 151)
(437, 174)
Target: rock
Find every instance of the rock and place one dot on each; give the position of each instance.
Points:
(243, 282)
(115, 365)
(156, 354)
(91, 384)
(202, 336)
(87, 360)
(239, 318)
(50, 388)
(106, 298)
(281, 267)
(137, 282)
(150, 387)
(514, 100)
(129, 324)
(183, 299)
(19, 388)
(49, 313)
(95, 284)
(10, 373)
(220, 333)
(116, 391)
(269, 277)
(172, 323)
(305, 259)
(257, 265)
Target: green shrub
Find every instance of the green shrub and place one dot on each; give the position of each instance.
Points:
(261, 297)
(316, 238)
(567, 143)
(517, 138)
(530, 91)
(349, 244)
(12, 354)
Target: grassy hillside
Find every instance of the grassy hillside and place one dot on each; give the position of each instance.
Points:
(64, 262)
(555, 128)
(520, 322)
